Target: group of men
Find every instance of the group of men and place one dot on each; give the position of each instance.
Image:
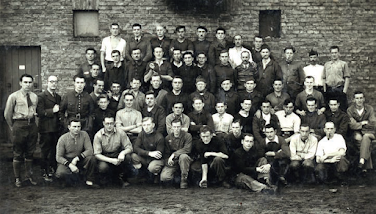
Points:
(202, 112)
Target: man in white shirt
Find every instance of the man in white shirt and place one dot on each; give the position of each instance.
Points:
(222, 120)
(288, 120)
(235, 52)
(315, 70)
(110, 43)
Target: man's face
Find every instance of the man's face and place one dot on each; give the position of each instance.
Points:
(188, 59)
(245, 57)
(148, 126)
(238, 41)
(79, 84)
(333, 105)
(220, 35)
(221, 108)
(334, 54)
(304, 133)
(181, 33)
(313, 59)
(265, 53)
(178, 109)
(52, 83)
(257, 43)
(206, 137)
(201, 58)
(94, 71)
(311, 105)
(277, 86)
(223, 57)
(156, 82)
(26, 83)
(128, 101)
(248, 142)
(90, 55)
(236, 128)
(265, 108)
(158, 53)
(289, 108)
(359, 99)
(250, 85)
(177, 84)
(114, 30)
(98, 88)
(176, 127)
(329, 130)
(109, 124)
(103, 103)
(309, 82)
(115, 88)
(289, 54)
(136, 84)
(115, 57)
(270, 133)
(150, 100)
(198, 105)
(246, 105)
(200, 86)
(136, 31)
(201, 34)
(226, 85)
(136, 55)
(177, 55)
(74, 128)
(160, 31)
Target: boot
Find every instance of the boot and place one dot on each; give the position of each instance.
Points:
(29, 172)
(16, 170)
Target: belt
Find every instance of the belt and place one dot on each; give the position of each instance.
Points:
(28, 120)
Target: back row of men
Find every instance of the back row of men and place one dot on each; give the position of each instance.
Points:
(258, 141)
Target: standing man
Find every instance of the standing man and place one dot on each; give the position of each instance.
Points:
(315, 70)
(181, 42)
(292, 72)
(176, 95)
(49, 127)
(161, 41)
(337, 77)
(201, 45)
(178, 146)
(289, 121)
(98, 90)
(256, 49)
(188, 72)
(90, 55)
(207, 72)
(115, 72)
(160, 67)
(136, 69)
(78, 104)
(217, 46)
(245, 70)
(315, 120)
(95, 73)
(19, 113)
(340, 118)
(110, 43)
(235, 53)
(223, 70)
(140, 42)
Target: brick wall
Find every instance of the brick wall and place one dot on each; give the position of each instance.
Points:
(306, 24)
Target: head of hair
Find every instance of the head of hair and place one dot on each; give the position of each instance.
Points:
(247, 135)
(220, 28)
(288, 101)
(115, 82)
(197, 98)
(334, 47)
(205, 129)
(147, 118)
(90, 49)
(115, 51)
(176, 120)
(26, 75)
(75, 120)
(358, 92)
(258, 36)
(311, 99)
(312, 53)
(78, 76)
(128, 94)
(223, 51)
(136, 49)
(102, 96)
(95, 82)
(270, 125)
(136, 25)
(179, 27)
(149, 92)
(309, 77)
(188, 53)
(289, 48)
(237, 121)
(304, 125)
(203, 28)
(108, 115)
(265, 46)
(115, 24)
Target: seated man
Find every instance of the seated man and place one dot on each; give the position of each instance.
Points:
(246, 165)
(289, 121)
(363, 122)
(340, 119)
(149, 149)
(222, 120)
(259, 123)
(212, 154)
(303, 148)
(234, 138)
(330, 154)
(136, 69)
(199, 118)
(111, 145)
(314, 120)
(74, 152)
(178, 145)
(206, 71)
(188, 73)
(245, 70)
(277, 153)
(177, 113)
(128, 119)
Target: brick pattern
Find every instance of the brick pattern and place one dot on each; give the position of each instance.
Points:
(306, 24)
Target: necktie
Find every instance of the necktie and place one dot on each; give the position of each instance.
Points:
(29, 103)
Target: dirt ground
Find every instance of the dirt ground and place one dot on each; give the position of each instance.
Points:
(354, 198)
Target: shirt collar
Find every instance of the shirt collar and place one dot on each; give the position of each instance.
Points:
(274, 140)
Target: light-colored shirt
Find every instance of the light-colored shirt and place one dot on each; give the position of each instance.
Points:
(305, 150)
(107, 48)
(70, 147)
(289, 122)
(274, 140)
(222, 123)
(128, 117)
(327, 146)
(138, 101)
(317, 71)
(17, 108)
(335, 73)
(111, 142)
(185, 121)
(236, 56)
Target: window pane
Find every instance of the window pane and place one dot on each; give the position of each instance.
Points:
(86, 23)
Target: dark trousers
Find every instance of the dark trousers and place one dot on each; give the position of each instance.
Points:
(47, 142)
(88, 165)
(216, 167)
(325, 170)
(279, 168)
(25, 137)
(108, 169)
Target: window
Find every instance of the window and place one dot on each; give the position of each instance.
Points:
(86, 23)
(270, 23)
